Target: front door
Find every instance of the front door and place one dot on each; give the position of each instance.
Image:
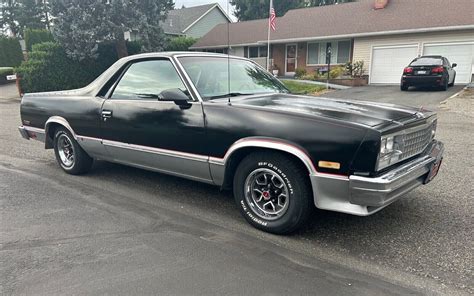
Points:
(138, 129)
(291, 55)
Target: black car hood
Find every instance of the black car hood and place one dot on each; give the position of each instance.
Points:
(359, 112)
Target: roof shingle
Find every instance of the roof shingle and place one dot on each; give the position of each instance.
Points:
(355, 18)
(180, 19)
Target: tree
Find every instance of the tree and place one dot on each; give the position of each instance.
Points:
(181, 43)
(327, 2)
(258, 9)
(80, 25)
(17, 15)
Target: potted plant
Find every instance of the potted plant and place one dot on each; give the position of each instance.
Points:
(275, 70)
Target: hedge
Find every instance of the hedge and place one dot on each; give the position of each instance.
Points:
(49, 68)
(35, 36)
(10, 52)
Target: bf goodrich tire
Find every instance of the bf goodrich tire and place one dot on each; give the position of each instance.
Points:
(273, 192)
(69, 155)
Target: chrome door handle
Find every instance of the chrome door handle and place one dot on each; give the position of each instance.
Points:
(106, 114)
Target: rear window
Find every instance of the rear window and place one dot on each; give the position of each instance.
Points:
(427, 62)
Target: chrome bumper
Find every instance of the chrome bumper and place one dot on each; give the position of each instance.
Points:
(23, 132)
(364, 196)
(28, 132)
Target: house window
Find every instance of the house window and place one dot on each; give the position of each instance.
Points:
(313, 53)
(253, 52)
(343, 51)
(317, 52)
(257, 51)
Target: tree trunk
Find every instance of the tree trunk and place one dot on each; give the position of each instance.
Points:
(121, 46)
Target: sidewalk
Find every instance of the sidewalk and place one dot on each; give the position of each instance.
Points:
(8, 91)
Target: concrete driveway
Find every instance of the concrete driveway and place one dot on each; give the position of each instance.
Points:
(427, 98)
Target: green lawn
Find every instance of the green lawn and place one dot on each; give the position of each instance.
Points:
(297, 87)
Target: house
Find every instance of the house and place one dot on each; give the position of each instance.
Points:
(194, 21)
(385, 34)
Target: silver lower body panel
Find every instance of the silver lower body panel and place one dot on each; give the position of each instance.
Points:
(364, 196)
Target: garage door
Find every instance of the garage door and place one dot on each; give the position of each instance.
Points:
(388, 62)
(461, 54)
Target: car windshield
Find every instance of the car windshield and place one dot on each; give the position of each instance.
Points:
(425, 61)
(219, 77)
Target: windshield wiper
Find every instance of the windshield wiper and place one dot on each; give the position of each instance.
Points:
(232, 94)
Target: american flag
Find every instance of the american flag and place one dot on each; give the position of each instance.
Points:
(272, 18)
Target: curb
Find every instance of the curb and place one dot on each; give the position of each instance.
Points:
(453, 96)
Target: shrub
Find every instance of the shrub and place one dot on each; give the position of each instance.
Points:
(49, 68)
(300, 72)
(10, 52)
(355, 69)
(336, 72)
(35, 36)
(181, 43)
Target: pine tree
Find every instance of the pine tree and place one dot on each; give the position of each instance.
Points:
(80, 25)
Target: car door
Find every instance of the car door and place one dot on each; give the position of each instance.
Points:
(448, 66)
(137, 129)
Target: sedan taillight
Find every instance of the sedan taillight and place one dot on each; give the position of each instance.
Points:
(437, 70)
(408, 70)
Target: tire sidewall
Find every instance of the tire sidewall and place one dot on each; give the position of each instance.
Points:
(294, 211)
(57, 134)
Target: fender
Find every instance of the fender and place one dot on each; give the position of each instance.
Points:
(219, 166)
(58, 120)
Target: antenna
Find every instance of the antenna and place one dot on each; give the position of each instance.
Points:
(228, 55)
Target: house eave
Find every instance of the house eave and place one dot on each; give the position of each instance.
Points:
(345, 36)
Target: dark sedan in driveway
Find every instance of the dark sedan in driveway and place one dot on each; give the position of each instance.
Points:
(434, 71)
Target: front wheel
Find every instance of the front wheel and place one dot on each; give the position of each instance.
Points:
(69, 155)
(272, 192)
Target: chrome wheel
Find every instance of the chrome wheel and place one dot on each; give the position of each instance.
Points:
(65, 150)
(267, 194)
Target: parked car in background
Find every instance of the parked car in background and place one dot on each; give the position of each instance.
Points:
(429, 71)
(226, 121)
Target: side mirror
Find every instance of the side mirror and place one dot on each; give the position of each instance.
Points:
(176, 95)
(454, 65)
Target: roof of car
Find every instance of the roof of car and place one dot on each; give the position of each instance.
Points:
(175, 54)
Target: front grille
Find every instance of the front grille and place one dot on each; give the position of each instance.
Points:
(417, 140)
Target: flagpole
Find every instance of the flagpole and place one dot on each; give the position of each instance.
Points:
(268, 37)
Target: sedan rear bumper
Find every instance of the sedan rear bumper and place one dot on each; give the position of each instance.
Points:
(364, 196)
(423, 80)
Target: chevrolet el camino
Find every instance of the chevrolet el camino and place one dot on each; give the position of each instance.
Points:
(226, 121)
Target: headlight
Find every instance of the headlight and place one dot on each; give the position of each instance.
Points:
(391, 150)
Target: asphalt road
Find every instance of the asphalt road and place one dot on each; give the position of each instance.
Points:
(120, 230)
(418, 97)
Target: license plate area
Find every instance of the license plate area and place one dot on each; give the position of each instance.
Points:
(421, 72)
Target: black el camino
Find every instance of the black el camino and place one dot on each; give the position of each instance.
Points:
(226, 121)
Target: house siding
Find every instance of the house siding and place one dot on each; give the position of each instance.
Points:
(363, 46)
(204, 25)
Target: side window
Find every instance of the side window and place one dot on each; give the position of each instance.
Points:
(147, 79)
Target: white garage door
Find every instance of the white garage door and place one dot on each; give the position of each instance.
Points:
(388, 62)
(461, 54)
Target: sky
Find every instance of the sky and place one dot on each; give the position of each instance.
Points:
(189, 3)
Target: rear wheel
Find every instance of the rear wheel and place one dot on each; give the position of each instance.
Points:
(272, 192)
(69, 155)
(445, 85)
(403, 87)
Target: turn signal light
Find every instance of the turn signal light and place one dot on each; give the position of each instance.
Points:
(408, 70)
(437, 70)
